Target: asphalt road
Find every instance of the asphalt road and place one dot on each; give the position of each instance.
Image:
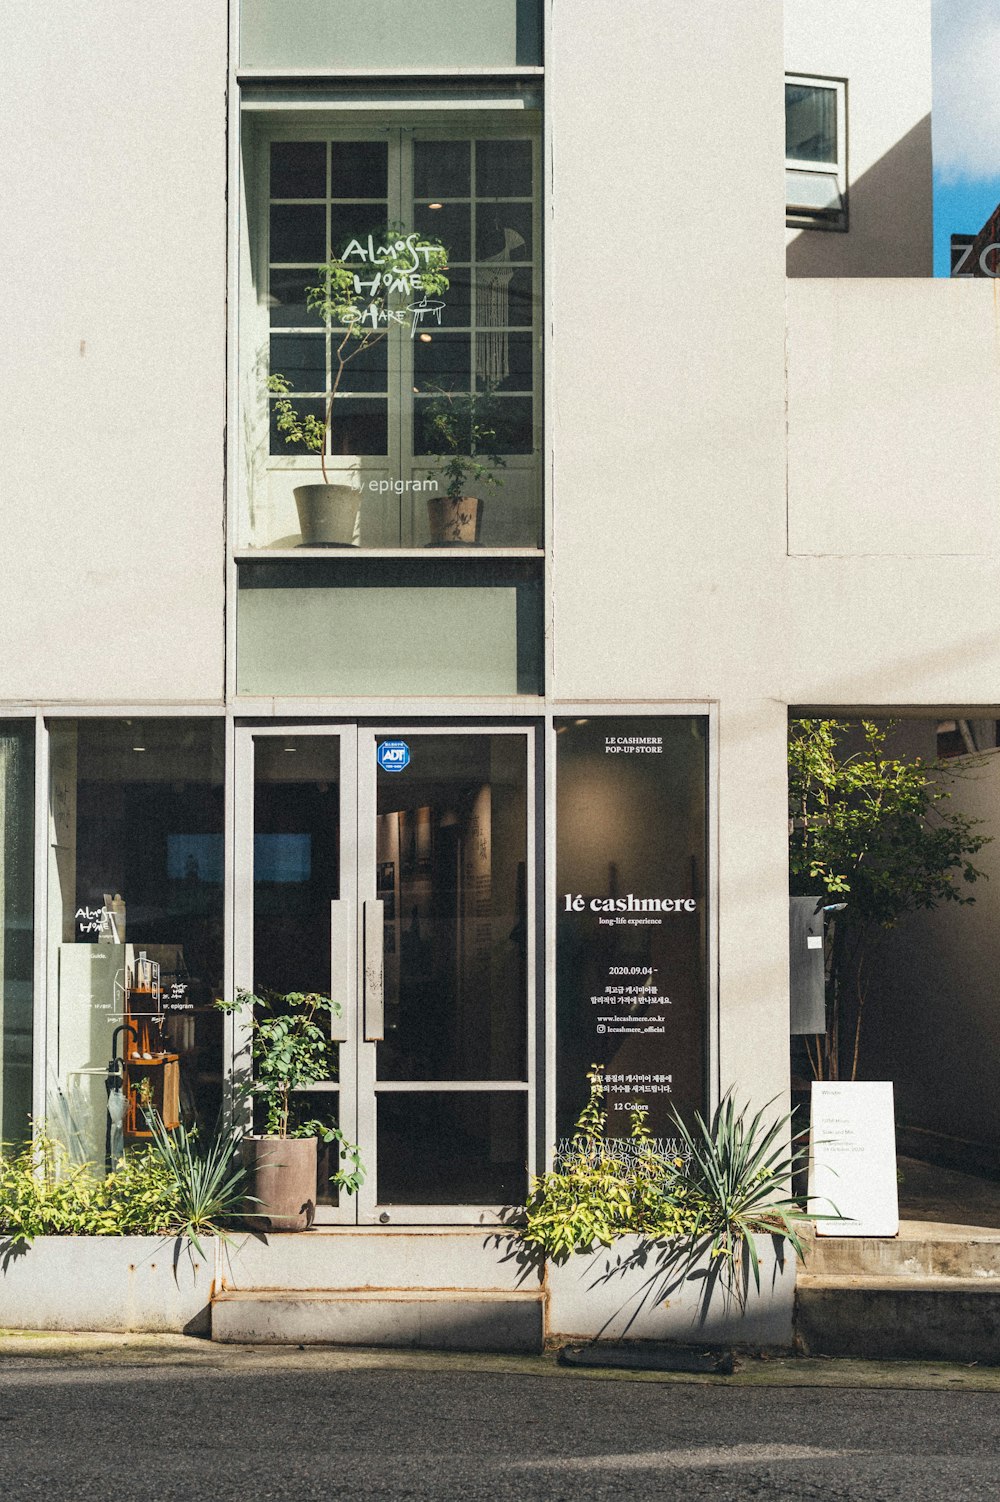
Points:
(253, 1427)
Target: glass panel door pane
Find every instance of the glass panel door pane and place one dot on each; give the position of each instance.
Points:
(444, 1092)
(296, 877)
(17, 794)
(452, 1148)
(296, 860)
(451, 859)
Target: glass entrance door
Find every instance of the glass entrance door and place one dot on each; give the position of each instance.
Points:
(394, 870)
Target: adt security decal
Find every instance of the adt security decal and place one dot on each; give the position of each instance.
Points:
(393, 756)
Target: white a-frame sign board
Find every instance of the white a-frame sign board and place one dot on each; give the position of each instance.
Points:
(852, 1170)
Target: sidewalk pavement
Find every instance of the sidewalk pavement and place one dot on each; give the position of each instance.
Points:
(104, 1351)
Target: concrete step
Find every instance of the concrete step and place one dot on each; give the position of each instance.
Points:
(331, 1257)
(922, 1249)
(438, 1319)
(911, 1317)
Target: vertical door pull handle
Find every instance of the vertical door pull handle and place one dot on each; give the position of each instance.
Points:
(374, 988)
(340, 967)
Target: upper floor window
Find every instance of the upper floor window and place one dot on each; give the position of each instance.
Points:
(816, 152)
(394, 343)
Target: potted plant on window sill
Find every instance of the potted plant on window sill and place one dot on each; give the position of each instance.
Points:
(290, 1049)
(358, 296)
(464, 442)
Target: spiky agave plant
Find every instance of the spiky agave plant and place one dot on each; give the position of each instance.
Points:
(210, 1185)
(736, 1176)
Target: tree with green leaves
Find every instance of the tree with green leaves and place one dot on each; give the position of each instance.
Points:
(870, 831)
(358, 296)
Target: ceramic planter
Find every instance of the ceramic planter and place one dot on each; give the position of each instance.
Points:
(329, 515)
(454, 521)
(282, 1180)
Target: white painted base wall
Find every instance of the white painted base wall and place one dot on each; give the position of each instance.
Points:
(146, 1283)
(108, 1283)
(613, 1293)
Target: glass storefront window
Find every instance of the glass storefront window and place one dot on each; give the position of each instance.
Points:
(631, 917)
(431, 377)
(17, 772)
(135, 929)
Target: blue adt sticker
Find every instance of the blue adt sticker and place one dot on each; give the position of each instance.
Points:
(393, 756)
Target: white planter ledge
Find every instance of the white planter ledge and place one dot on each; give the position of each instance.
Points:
(628, 1292)
(122, 1283)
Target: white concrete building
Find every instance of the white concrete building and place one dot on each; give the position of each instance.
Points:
(751, 463)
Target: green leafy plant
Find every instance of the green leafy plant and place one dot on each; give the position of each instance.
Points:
(735, 1175)
(207, 1184)
(604, 1188)
(872, 831)
(358, 299)
(170, 1187)
(291, 1049)
(461, 434)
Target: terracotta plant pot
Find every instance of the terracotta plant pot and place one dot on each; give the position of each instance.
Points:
(329, 515)
(282, 1180)
(454, 521)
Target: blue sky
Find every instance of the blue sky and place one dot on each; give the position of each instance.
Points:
(966, 119)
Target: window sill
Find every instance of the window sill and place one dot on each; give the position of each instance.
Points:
(266, 555)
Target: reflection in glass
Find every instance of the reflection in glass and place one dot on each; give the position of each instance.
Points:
(359, 169)
(298, 232)
(301, 359)
(17, 768)
(287, 298)
(360, 426)
(298, 169)
(296, 859)
(513, 422)
(810, 123)
(452, 1149)
(451, 860)
(503, 232)
(441, 169)
(135, 928)
(356, 221)
(442, 362)
(503, 169)
(449, 223)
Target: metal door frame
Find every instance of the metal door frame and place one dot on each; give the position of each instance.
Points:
(370, 1210)
(357, 1087)
(343, 956)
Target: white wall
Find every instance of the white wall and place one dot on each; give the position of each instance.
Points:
(687, 564)
(883, 50)
(893, 443)
(112, 372)
(669, 425)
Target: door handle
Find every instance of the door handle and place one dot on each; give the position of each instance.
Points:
(374, 987)
(340, 967)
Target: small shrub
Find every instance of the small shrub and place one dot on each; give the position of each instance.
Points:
(603, 1188)
(44, 1193)
(173, 1187)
